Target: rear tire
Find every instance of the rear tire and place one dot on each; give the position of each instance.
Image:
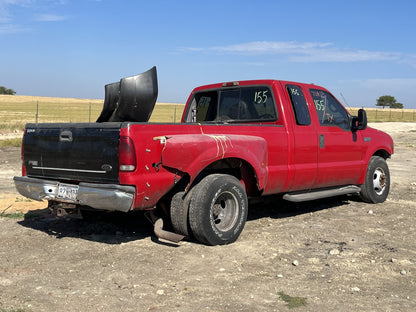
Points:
(218, 209)
(376, 186)
(179, 207)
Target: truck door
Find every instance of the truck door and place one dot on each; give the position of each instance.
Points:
(339, 149)
(304, 158)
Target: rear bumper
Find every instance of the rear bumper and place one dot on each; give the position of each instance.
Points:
(112, 197)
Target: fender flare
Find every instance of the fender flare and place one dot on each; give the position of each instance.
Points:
(192, 153)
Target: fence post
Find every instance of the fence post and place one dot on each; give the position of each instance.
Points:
(37, 111)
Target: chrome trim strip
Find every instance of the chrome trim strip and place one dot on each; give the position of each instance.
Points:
(70, 170)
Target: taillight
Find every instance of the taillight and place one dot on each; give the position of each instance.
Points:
(127, 155)
(22, 152)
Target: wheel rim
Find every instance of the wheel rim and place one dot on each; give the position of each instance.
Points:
(224, 212)
(379, 181)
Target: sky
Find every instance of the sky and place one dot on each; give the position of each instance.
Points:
(358, 50)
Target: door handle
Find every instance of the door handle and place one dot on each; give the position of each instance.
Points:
(65, 136)
(321, 141)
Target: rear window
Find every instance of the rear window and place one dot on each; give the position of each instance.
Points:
(243, 104)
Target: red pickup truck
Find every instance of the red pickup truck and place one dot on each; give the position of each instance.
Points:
(236, 140)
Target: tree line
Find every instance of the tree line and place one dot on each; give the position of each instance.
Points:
(389, 101)
(4, 90)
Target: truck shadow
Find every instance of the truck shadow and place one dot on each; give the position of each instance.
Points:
(277, 208)
(108, 228)
(118, 228)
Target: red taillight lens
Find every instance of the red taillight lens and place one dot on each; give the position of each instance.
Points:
(126, 154)
(22, 153)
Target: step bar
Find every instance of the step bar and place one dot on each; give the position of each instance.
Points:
(323, 193)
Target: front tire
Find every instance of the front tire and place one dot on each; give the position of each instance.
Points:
(218, 209)
(376, 186)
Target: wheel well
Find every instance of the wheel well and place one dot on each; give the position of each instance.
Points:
(382, 153)
(236, 167)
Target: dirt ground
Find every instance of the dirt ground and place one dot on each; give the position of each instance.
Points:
(338, 254)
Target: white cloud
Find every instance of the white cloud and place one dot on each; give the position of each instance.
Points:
(305, 52)
(341, 55)
(7, 26)
(12, 29)
(270, 47)
(49, 18)
(5, 15)
(9, 23)
(393, 83)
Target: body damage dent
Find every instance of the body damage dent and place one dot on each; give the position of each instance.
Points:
(191, 153)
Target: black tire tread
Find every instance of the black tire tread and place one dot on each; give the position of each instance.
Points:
(199, 205)
(367, 193)
(179, 208)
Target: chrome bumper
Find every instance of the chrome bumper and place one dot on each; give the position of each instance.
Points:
(110, 197)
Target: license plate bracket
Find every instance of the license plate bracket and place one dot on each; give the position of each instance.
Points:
(67, 191)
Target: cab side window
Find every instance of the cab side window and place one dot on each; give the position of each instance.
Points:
(330, 111)
(299, 105)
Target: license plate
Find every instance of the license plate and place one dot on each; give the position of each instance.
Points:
(67, 191)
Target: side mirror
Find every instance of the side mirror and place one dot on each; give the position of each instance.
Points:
(362, 119)
(359, 122)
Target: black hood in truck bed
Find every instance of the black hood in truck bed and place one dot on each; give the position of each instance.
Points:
(85, 152)
(130, 99)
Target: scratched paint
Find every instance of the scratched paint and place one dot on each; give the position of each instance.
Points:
(223, 142)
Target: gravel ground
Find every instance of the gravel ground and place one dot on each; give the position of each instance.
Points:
(337, 254)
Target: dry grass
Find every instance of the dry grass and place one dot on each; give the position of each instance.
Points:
(387, 114)
(17, 110)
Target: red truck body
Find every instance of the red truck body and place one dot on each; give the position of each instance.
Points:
(284, 156)
(236, 140)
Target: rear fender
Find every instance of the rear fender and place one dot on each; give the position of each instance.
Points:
(191, 153)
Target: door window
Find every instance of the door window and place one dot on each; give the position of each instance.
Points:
(330, 111)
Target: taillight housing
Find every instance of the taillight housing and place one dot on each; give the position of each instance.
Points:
(126, 155)
(22, 153)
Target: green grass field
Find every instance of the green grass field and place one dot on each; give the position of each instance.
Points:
(16, 111)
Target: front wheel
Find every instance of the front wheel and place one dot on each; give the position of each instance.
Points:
(218, 209)
(376, 186)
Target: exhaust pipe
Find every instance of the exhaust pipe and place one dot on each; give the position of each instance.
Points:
(131, 99)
